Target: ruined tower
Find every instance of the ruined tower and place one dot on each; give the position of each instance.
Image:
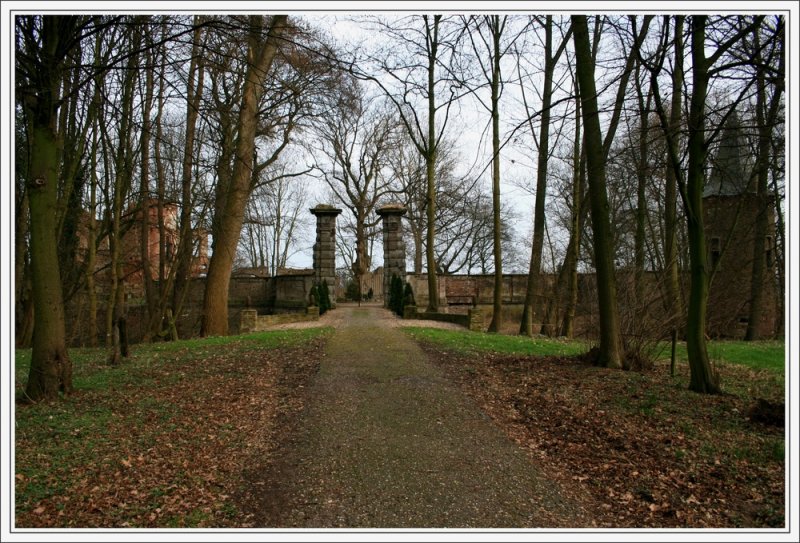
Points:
(731, 206)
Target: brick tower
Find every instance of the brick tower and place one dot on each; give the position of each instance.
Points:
(730, 207)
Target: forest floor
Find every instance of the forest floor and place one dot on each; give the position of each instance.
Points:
(357, 424)
(643, 449)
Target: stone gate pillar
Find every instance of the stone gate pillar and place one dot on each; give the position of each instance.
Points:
(394, 247)
(325, 247)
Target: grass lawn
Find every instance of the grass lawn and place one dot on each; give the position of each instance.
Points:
(479, 342)
(769, 355)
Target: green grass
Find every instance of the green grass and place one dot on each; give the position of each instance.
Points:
(477, 342)
(767, 355)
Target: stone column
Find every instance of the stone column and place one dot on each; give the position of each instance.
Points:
(325, 247)
(394, 248)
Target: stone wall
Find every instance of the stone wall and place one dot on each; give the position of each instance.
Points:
(455, 290)
(291, 292)
(251, 321)
(473, 320)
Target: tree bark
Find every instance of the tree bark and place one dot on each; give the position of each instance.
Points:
(703, 379)
(673, 283)
(610, 346)
(497, 313)
(51, 368)
(260, 57)
(526, 325)
(430, 166)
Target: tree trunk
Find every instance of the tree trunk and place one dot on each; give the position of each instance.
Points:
(215, 304)
(674, 294)
(610, 348)
(119, 332)
(150, 295)
(497, 313)
(430, 172)
(761, 267)
(703, 378)
(762, 165)
(417, 250)
(21, 271)
(123, 173)
(91, 244)
(526, 326)
(780, 302)
(642, 172)
(155, 326)
(51, 368)
(576, 226)
(194, 92)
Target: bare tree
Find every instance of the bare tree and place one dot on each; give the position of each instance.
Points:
(274, 219)
(43, 47)
(703, 378)
(261, 54)
(596, 154)
(488, 29)
(415, 60)
(355, 139)
(550, 62)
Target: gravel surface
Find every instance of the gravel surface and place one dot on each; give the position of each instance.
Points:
(338, 318)
(387, 441)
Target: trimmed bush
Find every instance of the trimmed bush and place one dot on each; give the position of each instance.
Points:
(324, 298)
(352, 292)
(313, 296)
(408, 296)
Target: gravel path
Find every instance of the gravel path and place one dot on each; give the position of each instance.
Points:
(341, 316)
(386, 441)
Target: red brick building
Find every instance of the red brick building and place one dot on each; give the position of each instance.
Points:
(731, 207)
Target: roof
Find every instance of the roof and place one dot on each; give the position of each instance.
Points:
(728, 173)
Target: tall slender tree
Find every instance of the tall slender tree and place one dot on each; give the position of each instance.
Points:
(423, 93)
(537, 244)
(767, 109)
(194, 94)
(261, 52)
(610, 345)
(703, 378)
